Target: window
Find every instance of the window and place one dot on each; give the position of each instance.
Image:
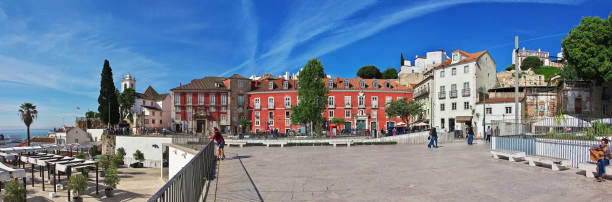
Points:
(224, 100)
(240, 100)
(330, 101)
(146, 121)
(287, 114)
(604, 109)
(213, 109)
(388, 100)
(297, 99)
(285, 84)
(287, 102)
(442, 89)
(455, 57)
(375, 83)
(442, 123)
(347, 114)
(466, 69)
(153, 121)
(362, 84)
(256, 103)
(387, 84)
(331, 114)
(361, 113)
(330, 83)
(189, 109)
(270, 85)
(488, 110)
(466, 105)
(347, 101)
(454, 71)
(212, 99)
(441, 107)
(256, 115)
(160, 121)
(200, 99)
(374, 114)
(153, 113)
(361, 101)
(188, 99)
(287, 122)
(256, 122)
(442, 74)
(466, 85)
(454, 106)
(374, 101)
(240, 84)
(346, 84)
(177, 99)
(508, 110)
(270, 103)
(224, 109)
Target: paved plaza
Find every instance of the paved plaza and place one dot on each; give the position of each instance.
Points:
(137, 184)
(453, 172)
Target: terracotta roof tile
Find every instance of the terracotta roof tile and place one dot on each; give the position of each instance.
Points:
(206, 83)
(469, 57)
(151, 94)
(39, 140)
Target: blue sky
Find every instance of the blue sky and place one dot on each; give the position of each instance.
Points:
(51, 52)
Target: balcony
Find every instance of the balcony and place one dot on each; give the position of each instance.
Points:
(442, 95)
(465, 92)
(453, 94)
(257, 107)
(347, 105)
(270, 106)
(331, 106)
(421, 92)
(362, 106)
(374, 105)
(287, 106)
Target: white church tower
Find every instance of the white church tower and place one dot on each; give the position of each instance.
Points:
(128, 81)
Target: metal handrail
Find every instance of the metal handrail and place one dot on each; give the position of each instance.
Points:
(188, 184)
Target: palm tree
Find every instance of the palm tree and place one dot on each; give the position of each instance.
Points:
(28, 113)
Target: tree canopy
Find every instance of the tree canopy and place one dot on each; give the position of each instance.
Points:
(369, 72)
(547, 71)
(337, 121)
(108, 102)
(27, 113)
(510, 67)
(405, 110)
(389, 73)
(531, 62)
(312, 95)
(587, 50)
(127, 98)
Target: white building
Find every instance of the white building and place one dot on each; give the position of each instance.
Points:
(71, 135)
(422, 64)
(498, 113)
(151, 109)
(457, 86)
(522, 54)
(422, 94)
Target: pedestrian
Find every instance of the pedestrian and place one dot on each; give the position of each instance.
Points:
(470, 135)
(489, 132)
(433, 137)
(220, 143)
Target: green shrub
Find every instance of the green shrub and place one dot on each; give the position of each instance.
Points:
(80, 156)
(139, 156)
(14, 192)
(111, 179)
(547, 71)
(78, 183)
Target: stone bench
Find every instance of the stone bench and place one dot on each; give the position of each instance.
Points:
(511, 155)
(591, 169)
(555, 163)
(239, 143)
(346, 142)
(281, 143)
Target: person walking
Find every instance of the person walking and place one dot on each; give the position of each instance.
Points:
(470, 135)
(488, 134)
(220, 143)
(433, 137)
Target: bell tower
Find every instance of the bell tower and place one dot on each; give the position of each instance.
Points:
(128, 81)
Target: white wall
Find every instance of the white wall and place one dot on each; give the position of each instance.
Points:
(152, 154)
(498, 113)
(96, 134)
(177, 159)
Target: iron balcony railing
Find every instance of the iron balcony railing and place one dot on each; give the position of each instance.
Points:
(466, 92)
(442, 95)
(453, 94)
(189, 183)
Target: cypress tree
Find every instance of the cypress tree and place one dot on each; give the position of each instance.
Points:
(108, 104)
(402, 55)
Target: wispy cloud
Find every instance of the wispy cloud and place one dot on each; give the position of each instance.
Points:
(327, 26)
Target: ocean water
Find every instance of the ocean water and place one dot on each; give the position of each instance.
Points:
(21, 134)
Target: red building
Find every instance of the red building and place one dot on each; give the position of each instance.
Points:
(360, 102)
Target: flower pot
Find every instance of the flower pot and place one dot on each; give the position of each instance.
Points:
(77, 199)
(108, 192)
(102, 174)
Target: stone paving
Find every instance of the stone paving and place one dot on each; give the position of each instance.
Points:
(453, 172)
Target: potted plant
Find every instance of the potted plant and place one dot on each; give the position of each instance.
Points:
(103, 163)
(139, 156)
(14, 192)
(77, 183)
(111, 180)
(121, 153)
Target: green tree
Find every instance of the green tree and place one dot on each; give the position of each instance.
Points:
(91, 114)
(313, 95)
(244, 123)
(27, 113)
(405, 110)
(111, 178)
(139, 156)
(510, 67)
(126, 101)
(369, 72)
(389, 73)
(108, 103)
(587, 49)
(78, 183)
(531, 62)
(402, 57)
(14, 192)
(337, 121)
